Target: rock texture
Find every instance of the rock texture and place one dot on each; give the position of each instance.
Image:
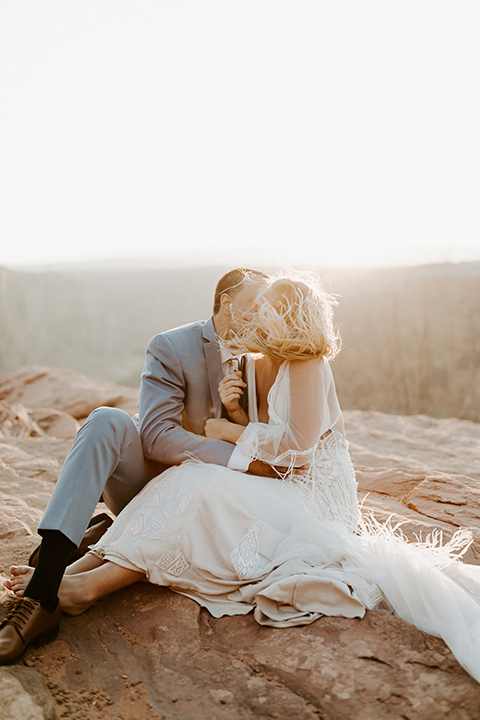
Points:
(23, 695)
(40, 387)
(147, 653)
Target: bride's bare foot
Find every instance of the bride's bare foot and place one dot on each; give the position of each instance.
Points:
(74, 593)
(20, 576)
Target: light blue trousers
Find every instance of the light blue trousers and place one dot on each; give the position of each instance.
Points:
(106, 459)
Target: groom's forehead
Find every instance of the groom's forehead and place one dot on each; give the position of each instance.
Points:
(250, 289)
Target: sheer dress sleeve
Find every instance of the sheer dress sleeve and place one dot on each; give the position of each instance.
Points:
(303, 406)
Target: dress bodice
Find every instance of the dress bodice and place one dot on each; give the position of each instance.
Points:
(302, 408)
(305, 436)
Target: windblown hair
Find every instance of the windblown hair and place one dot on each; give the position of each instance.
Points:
(232, 282)
(297, 326)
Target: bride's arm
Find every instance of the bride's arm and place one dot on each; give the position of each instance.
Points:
(304, 407)
(223, 429)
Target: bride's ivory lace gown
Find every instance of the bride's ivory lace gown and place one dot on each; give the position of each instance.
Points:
(294, 548)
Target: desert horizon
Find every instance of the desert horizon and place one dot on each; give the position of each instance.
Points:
(157, 262)
(411, 335)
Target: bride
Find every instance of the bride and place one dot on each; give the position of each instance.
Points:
(291, 548)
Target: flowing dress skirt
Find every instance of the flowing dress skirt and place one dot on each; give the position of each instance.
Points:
(236, 543)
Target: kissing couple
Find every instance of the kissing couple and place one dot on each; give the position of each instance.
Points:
(236, 488)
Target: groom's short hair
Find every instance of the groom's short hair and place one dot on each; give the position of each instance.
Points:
(232, 282)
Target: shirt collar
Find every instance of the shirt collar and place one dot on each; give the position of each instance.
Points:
(225, 354)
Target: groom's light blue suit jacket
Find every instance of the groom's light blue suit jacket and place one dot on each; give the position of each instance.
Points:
(178, 392)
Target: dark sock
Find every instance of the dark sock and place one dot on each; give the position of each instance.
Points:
(53, 558)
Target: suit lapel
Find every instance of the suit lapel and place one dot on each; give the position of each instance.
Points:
(211, 350)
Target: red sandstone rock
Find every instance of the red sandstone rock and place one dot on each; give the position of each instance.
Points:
(147, 653)
(41, 387)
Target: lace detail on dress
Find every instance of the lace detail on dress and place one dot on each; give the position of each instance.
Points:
(159, 507)
(329, 484)
(172, 562)
(245, 557)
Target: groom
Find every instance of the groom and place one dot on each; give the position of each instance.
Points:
(113, 458)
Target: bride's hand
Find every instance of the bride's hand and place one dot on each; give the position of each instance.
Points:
(223, 429)
(230, 390)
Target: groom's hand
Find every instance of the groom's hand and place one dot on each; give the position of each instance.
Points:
(257, 467)
(223, 429)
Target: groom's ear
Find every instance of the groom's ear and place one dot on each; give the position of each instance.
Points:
(226, 304)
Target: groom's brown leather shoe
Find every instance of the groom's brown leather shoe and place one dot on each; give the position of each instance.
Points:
(25, 623)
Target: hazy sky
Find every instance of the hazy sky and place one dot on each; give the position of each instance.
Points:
(332, 132)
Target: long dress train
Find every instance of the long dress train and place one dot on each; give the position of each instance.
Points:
(294, 548)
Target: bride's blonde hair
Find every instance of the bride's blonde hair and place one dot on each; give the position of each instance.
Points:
(297, 326)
